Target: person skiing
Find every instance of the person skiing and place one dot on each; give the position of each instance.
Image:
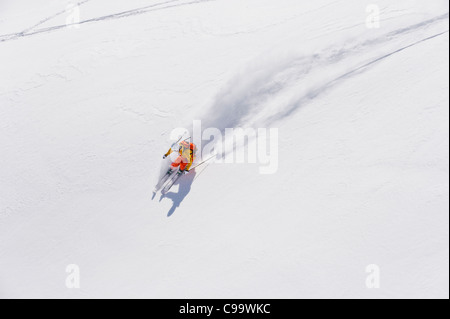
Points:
(187, 154)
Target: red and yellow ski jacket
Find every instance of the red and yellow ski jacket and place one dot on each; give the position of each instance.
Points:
(186, 156)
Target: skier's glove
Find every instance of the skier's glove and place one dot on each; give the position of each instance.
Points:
(164, 157)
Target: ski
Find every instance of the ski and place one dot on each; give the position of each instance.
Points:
(172, 182)
(163, 181)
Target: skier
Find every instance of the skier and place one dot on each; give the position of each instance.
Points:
(187, 154)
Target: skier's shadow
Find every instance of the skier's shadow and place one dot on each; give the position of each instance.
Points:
(185, 184)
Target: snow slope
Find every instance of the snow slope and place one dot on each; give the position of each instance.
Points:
(86, 113)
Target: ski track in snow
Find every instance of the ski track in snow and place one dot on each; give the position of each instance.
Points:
(134, 12)
(28, 30)
(247, 94)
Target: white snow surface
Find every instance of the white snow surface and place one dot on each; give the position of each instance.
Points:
(363, 178)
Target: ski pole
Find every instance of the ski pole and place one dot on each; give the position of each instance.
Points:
(203, 162)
